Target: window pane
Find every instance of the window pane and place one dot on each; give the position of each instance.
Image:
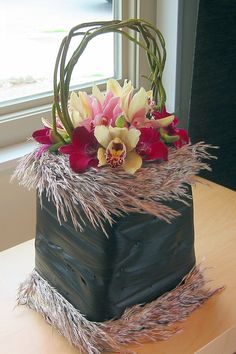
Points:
(30, 35)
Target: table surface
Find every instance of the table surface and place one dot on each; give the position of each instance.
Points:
(23, 331)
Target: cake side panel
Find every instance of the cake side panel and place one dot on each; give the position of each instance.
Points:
(152, 257)
(75, 263)
(142, 258)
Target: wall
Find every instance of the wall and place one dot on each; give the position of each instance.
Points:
(17, 211)
(212, 104)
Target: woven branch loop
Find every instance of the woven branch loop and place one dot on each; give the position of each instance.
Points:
(151, 40)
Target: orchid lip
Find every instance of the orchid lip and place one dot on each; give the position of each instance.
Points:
(115, 153)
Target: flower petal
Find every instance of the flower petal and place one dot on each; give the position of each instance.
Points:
(139, 119)
(79, 162)
(85, 106)
(129, 137)
(157, 151)
(164, 122)
(101, 155)
(102, 134)
(76, 118)
(81, 137)
(96, 106)
(114, 86)
(117, 111)
(67, 149)
(98, 94)
(74, 101)
(183, 134)
(137, 103)
(43, 136)
(132, 162)
(60, 129)
(183, 138)
(41, 150)
(46, 123)
(161, 114)
(76, 109)
(108, 97)
(127, 88)
(108, 110)
(132, 139)
(125, 101)
(149, 135)
(116, 132)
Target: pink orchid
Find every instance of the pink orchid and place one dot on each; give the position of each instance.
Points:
(90, 111)
(135, 107)
(82, 151)
(106, 112)
(150, 147)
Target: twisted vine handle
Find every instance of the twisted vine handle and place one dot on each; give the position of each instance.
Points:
(151, 41)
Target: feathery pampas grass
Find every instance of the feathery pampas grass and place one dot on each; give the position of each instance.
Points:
(140, 323)
(105, 192)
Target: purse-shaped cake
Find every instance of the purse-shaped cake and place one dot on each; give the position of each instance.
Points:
(114, 230)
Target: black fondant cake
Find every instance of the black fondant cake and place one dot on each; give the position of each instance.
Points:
(113, 172)
(101, 276)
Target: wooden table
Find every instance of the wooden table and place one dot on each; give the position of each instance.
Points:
(23, 331)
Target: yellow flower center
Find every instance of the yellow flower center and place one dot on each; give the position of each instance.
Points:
(115, 153)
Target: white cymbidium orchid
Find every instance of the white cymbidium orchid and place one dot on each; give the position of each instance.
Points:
(135, 107)
(80, 108)
(118, 147)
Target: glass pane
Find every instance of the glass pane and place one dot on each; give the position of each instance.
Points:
(30, 36)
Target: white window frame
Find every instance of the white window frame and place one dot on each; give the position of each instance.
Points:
(18, 121)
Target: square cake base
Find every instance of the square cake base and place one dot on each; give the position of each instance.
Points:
(142, 258)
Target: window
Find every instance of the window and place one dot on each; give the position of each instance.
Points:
(31, 34)
(30, 37)
(19, 117)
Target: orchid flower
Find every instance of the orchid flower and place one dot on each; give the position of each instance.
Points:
(80, 108)
(118, 91)
(118, 147)
(82, 150)
(90, 111)
(135, 107)
(60, 128)
(170, 133)
(107, 112)
(47, 138)
(150, 147)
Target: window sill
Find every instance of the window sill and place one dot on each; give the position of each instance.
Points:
(11, 154)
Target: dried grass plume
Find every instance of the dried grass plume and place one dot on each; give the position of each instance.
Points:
(156, 320)
(104, 193)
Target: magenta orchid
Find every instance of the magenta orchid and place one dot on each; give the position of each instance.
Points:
(171, 134)
(43, 136)
(82, 151)
(150, 147)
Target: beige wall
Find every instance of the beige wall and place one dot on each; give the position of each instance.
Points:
(17, 211)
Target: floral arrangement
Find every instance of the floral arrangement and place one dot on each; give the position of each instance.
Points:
(96, 140)
(118, 128)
